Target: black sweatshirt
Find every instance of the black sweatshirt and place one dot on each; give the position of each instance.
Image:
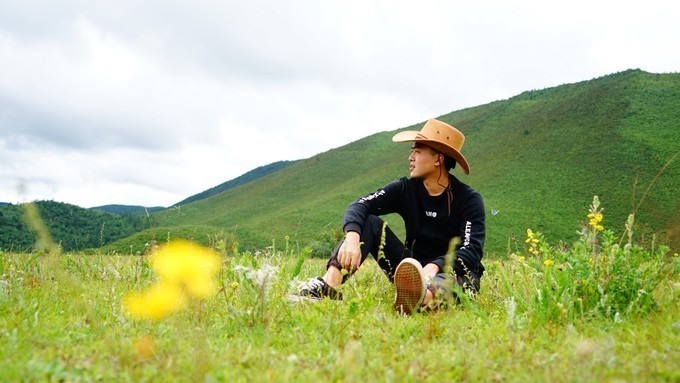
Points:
(431, 222)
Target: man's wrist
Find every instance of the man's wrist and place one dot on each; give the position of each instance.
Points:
(352, 235)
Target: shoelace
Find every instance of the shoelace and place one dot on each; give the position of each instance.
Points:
(314, 284)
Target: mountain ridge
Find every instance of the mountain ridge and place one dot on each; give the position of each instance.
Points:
(246, 177)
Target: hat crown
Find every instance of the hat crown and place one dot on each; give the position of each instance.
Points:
(436, 130)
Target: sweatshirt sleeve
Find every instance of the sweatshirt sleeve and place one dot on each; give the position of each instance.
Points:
(383, 201)
(469, 252)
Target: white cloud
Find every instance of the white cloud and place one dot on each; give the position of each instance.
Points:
(150, 102)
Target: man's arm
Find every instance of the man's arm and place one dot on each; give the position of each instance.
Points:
(388, 199)
(473, 226)
(383, 201)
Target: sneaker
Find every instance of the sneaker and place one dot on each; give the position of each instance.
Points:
(316, 289)
(409, 280)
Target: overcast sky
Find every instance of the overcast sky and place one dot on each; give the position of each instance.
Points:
(148, 102)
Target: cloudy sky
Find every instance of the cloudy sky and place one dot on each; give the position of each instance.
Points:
(148, 102)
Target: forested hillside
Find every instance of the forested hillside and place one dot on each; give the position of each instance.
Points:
(127, 209)
(73, 227)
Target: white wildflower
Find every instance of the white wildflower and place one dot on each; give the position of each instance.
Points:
(263, 277)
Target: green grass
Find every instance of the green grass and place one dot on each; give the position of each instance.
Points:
(604, 310)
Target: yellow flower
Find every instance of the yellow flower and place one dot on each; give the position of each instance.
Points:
(595, 219)
(548, 262)
(234, 285)
(157, 302)
(186, 264)
(520, 258)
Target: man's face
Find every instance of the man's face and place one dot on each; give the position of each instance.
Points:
(422, 161)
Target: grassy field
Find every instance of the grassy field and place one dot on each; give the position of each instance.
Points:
(598, 309)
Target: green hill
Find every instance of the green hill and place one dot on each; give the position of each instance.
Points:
(537, 158)
(74, 228)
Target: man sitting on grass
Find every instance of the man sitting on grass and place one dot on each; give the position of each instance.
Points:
(436, 208)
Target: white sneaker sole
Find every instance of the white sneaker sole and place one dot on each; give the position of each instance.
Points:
(409, 280)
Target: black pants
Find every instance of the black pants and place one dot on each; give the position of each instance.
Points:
(393, 252)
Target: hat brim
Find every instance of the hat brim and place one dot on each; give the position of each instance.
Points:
(415, 136)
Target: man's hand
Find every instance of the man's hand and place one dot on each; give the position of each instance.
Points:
(430, 270)
(349, 255)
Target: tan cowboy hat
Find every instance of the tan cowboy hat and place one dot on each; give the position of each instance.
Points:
(440, 136)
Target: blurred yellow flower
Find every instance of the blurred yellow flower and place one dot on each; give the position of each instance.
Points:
(185, 269)
(158, 301)
(234, 285)
(187, 264)
(520, 258)
(548, 262)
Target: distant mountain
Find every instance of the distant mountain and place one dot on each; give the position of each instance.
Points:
(126, 209)
(3, 204)
(241, 180)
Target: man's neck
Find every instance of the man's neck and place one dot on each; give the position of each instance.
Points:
(435, 185)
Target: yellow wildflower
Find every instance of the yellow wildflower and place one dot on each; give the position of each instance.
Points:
(533, 241)
(234, 285)
(186, 264)
(157, 302)
(520, 258)
(594, 221)
(548, 262)
(184, 268)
